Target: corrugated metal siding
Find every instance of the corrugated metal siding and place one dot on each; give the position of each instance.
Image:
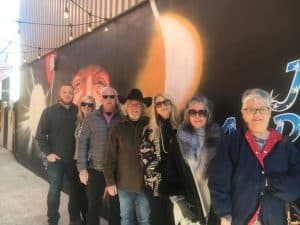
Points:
(52, 12)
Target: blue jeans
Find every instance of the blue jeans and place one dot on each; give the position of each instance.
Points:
(131, 201)
(56, 172)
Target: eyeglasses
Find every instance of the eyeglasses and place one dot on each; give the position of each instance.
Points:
(200, 113)
(108, 96)
(253, 111)
(90, 105)
(166, 102)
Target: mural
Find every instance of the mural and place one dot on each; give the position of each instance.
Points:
(175, 60)
(183, 48)
(89, 81)
(281, 106)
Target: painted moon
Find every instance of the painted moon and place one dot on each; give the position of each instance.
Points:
(174, 60)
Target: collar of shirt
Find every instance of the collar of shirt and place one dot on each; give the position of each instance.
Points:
(108, 117)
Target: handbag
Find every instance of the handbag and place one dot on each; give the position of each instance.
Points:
(184, 212)
(292, 214)
(292, 211)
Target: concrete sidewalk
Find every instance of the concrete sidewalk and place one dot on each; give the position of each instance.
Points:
(23, 195)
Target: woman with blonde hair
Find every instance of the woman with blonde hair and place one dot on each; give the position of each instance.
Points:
(86, 106)
(158, 142)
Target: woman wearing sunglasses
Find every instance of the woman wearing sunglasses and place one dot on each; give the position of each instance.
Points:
(86, 106)
(158, 143)
(198, 138)
(256, 171)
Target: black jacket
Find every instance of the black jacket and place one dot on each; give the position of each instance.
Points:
(188, 140)
(55, 132)
(160, 173)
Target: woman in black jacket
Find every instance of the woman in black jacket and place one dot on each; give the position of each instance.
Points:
(158, 143)
(198, 138)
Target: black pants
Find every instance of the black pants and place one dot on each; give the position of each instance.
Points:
(213, 219)
(80, 189)
(161, 211)
(95, 190)
(113, 208)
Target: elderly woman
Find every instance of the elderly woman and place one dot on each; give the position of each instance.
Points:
(86, 106)
(159, 140)
(198, 138)
(255, 172)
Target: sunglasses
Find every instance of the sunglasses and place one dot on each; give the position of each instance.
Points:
(166, 102)
(108, 96)
(200, 113)
(90, 105)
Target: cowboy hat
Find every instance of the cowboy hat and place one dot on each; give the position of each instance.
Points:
(136, 94)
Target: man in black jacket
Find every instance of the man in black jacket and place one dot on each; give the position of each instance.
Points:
(55, 136)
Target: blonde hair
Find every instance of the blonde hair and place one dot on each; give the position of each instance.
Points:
(80, 115)
(154, 123)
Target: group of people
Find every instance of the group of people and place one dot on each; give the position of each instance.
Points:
(156, 170)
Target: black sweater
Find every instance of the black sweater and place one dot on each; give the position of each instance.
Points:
(55, 132)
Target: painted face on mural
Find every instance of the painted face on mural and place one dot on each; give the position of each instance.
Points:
(197, 115)
(89, 81)
(134, 109)
(256, 114)
(163, 107)
(66, 94)
(108, 100)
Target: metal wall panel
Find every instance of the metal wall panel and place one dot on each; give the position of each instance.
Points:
(52, 12)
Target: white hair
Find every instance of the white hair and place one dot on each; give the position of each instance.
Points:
(125, 106)
(257, 93)
(109, 88)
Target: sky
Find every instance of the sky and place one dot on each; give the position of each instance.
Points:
(9, 39)
(9, 9)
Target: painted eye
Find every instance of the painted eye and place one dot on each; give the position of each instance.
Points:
(100, 83)
(76, 83)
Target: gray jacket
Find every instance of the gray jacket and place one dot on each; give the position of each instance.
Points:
(92, 139)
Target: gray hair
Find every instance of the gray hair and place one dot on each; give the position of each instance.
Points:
(257, 93)
(207, 105)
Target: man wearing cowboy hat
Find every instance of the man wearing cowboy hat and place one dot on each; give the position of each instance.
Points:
(122, 171)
